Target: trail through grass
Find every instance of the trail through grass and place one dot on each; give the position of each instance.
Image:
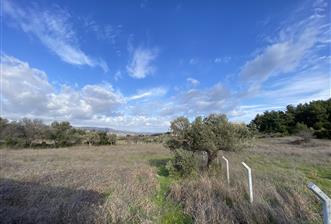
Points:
(170, 211)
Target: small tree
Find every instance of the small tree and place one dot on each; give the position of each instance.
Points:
(92, 138)
(112, 139)
(209, 134)
(304, 132)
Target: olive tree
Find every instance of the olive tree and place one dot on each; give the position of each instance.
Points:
(209, 134)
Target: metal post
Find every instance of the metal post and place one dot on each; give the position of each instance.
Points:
(250, 184)
(326, 202)
(227, 169)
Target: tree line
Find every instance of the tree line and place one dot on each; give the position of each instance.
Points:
(213, 132)
(314, 116)
(34, 133)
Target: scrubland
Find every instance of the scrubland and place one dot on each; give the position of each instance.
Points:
(130, 184)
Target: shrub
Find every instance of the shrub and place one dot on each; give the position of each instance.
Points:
(304, 132)
(183, 163)
(323, 133)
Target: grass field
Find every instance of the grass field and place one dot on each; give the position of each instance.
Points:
(125, 184)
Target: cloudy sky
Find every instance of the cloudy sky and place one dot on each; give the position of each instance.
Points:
(138, 64)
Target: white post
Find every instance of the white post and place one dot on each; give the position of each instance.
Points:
(227, 169)
(250, 184)
(326, 202)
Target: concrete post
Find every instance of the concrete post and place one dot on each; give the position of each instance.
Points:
(326, 202)
(250, 184)
(227, 169)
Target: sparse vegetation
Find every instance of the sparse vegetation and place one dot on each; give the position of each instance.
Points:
(144, 183)
(132, 184)
(28, 133)
(281, 172)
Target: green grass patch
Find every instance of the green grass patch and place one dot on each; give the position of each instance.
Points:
(319, 174)
(171, 213)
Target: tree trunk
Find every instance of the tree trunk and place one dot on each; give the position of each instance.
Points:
(210, 159)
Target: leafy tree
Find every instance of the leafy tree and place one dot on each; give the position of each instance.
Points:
(315, 115)
(92, 138)
(209, 135)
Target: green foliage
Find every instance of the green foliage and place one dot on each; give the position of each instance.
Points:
(170, 212)
(184, 163)
(300, 127)
(209, 134)
(315, 115)
(33, 133)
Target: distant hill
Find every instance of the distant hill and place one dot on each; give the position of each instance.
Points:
(115, 131)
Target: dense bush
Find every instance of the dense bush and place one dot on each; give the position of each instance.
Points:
(184, 163)
(315, 115)
(34, 133)
(209, 134)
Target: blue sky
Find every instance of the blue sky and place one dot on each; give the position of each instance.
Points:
(136, 65)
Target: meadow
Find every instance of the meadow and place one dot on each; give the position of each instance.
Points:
(130, 184)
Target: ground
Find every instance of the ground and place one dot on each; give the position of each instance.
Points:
(123, 183)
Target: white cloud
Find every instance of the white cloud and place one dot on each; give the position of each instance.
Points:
(54, 30)
(194, 102)
(131, 123)
(154, 92)
(118, 75)
(246, 113)
(295, 44)
(26, 91)
(141, 64)
(300, 88)
(193, 82)
(102, 32)
(86, 102)
(225, 59)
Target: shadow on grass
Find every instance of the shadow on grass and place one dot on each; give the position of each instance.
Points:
(28, 202)
(160, 164)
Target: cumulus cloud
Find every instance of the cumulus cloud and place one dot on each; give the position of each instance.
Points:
(24, 89)
(86, 102)
(54, 29)
(27, 91)
(141, 63)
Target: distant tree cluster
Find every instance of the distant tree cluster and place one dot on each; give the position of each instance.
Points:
(209, 134)
(34, 133)
(314, 116)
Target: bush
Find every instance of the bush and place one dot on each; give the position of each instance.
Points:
(304, 132)
(323, 133)
(33, 133)
(184, 163)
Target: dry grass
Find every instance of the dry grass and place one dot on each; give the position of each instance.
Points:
(118, 184)
(106, 184)
(281, 171)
